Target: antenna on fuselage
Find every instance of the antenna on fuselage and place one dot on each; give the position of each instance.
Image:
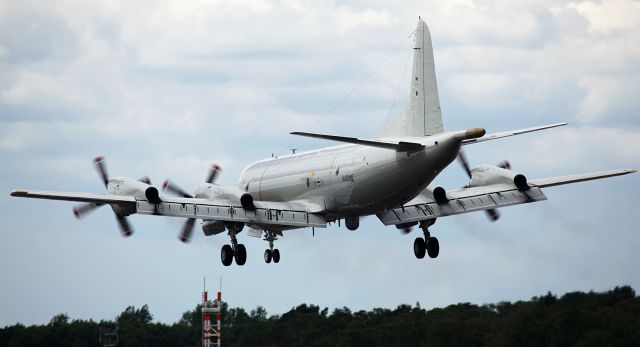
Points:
(293, 150)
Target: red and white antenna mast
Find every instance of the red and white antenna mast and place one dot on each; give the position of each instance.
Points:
(211, 331)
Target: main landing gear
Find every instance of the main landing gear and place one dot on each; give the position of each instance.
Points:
(236, 250)
(271, 253)
(428, 244)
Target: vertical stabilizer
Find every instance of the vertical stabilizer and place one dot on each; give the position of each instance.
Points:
(422, 115)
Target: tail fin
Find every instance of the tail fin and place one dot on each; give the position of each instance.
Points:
(422, 116)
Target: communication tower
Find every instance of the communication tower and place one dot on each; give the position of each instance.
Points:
(211, 332)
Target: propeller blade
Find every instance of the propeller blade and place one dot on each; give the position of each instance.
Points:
(187, 230)
(505, 165)
(125, 227)
(84, 209)
(102, 169)
(462, 158)
(145, 179)
(215, 170)
(175, 189)
(493, 214)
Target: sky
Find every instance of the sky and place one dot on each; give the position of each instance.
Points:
(167, 88)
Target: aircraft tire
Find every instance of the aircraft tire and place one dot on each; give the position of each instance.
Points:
(419, 247)
(267, 256)
(433, 247)
(276, 256)
(226, 255)
(240, 255)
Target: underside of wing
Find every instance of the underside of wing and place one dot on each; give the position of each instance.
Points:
(460, 201)
(297, 214)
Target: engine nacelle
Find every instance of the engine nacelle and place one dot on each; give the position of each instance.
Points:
(521, 182)
(485, 175)
(246, 200)
(232, 195)
(152, 195)
(352, 222)
(440, 196)
(212, 227)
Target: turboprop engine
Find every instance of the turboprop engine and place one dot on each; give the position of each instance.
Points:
(483, 175)
(228, 193)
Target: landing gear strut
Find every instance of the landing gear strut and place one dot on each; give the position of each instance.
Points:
(428, 244)
(271, 253)
(236, 250)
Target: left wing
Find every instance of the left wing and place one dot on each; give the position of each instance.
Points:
(79, 197)
(300, 213)
(466, 200)
(293, 214)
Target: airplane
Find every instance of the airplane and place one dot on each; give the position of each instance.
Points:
(388, 176)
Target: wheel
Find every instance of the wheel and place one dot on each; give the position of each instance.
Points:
(267, 256)
(433, 247)
(276, 256)
(226, 254)
(240, 254)
(419, 247)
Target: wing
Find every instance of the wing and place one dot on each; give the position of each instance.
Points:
(473, 199)
(460, 201)
(301, 213)
(79, 197)
(556, 181)
(297, 214)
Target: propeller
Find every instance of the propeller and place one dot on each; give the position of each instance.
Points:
(168, 186)
(82, 210)
(492, 213)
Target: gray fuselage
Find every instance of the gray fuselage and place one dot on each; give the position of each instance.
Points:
(350, 180)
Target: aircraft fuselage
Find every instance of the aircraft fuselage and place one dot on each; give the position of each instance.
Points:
(350, 180)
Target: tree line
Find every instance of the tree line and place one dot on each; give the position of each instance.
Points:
(609, 318)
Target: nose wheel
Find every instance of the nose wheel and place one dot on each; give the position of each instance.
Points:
(427, 245)
(271, 254)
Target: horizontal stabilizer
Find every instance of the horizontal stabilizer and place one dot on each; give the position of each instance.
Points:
(556, 181)
(500, 135)
(400, 146)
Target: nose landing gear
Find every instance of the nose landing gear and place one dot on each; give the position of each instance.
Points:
(428, 244)
(271, 253)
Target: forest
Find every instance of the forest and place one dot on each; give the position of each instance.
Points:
(609, 318)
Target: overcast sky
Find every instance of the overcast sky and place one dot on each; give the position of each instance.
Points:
(166, 88)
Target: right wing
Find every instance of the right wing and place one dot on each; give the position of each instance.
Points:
(473, 199)
(556, 181)
(464, 200)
